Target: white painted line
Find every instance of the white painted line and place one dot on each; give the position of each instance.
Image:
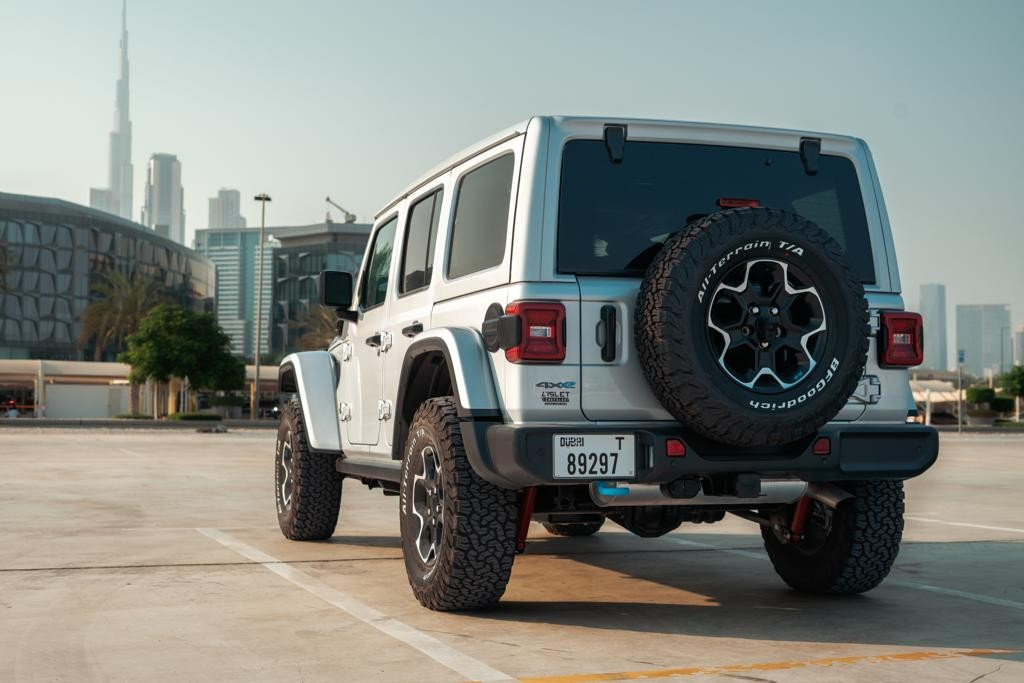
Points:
(443, 654)
(965, 524)
(977, 597)
(1013, 604)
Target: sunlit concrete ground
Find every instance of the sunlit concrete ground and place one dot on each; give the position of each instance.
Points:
(104, 575)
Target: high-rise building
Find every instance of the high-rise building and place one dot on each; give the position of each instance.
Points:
(983, 334)
(225, 211)
(116, 198)
(164, 210)
(293, 257)
(1018, 345)
(933, 310)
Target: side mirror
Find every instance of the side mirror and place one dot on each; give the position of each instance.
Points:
(336, 291)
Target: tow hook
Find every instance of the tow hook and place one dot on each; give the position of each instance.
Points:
(525, 513)
(799, 521)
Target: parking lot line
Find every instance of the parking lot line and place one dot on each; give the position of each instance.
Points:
(756, 555)
(919, 656)
(966, 524)
(443, 654)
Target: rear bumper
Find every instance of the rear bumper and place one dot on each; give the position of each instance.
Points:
(513, 456)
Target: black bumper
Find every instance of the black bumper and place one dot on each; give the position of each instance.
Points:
(515, 457)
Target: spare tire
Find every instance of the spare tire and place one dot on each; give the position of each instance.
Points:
(751, 328)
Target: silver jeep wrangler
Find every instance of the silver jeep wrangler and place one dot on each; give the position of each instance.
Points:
(652, 322)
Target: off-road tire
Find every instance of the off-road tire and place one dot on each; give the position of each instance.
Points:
(574, 528)
(859, 550)
(478, 538)
(672, 338)
(312, 511)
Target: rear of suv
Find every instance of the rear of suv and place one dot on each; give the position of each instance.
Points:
(651, 322)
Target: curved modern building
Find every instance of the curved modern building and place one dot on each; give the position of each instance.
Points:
(53, 251)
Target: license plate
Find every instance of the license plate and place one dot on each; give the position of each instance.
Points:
(594, 456)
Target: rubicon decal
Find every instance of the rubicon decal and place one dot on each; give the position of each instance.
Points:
(818, 387)
(788, 247)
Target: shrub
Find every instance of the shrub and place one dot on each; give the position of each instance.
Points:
(1009, 423)
(194, 416)
(133, 416)
(980, 394)
(1002, 404)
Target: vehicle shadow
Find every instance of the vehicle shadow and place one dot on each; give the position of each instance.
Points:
(706, 592)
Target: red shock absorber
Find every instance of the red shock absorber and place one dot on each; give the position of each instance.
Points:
(799, 522)
(525, 513)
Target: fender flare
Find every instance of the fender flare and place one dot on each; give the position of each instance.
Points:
(312, 376)
(470, 369)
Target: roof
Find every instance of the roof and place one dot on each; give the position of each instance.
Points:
(520, 128)
(297, 230)
(60, 208)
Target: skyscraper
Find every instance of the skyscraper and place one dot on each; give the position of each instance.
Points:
(983, 334)
(225, 210)
(1018, 345)
(116, 198)
(164, 208)
(933, 310)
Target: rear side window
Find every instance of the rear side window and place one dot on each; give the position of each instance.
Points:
(420, 236)
(481, 218)
(375, 278)
(613, 218)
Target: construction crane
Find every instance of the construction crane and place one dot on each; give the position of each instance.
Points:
(349, 217)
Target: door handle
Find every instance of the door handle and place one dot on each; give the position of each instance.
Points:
(373, 340)
(608, 323)
(412, 330)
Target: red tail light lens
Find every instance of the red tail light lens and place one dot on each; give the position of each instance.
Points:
(737, 202)
(542, 332)
(900, 339)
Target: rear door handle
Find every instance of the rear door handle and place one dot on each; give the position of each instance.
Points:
(373, 340)
(608, 323)
(412, 330)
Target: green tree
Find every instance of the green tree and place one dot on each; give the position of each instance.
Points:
(118, 306)
(172, 341)
(1012, 382)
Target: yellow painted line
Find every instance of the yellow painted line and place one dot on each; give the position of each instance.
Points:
(919, 656)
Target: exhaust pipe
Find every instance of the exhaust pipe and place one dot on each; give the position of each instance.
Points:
(773, 491)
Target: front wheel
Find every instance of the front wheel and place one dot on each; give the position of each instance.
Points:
(846, 550)
(458, 530)
(307, 485)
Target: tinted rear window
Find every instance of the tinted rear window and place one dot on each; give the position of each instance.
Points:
(613, 218)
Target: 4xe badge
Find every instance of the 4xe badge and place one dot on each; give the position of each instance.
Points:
(555, 393)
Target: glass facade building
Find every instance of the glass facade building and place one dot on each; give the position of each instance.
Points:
(51, 254)
(297, 264)
(293, 257)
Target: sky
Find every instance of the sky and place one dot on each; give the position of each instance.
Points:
(357, 99)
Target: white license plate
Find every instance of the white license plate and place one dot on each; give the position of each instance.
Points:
(594, 456)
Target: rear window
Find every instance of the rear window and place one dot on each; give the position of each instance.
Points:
(613, 218)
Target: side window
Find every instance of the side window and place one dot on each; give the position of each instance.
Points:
(375, 279)
(481, 218)
(420, 235)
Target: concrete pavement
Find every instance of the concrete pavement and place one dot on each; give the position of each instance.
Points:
(156, 555)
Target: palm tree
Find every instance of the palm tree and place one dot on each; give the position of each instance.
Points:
(319, 325)
(118, 306)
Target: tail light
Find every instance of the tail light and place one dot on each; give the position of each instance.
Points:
(737, 202)
(900, 339)
(542, 332)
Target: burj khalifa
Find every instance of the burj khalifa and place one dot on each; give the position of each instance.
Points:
(116, 198)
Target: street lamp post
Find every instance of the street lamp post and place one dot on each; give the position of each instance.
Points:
(254, 395)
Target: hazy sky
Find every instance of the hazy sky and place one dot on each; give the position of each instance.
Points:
(305, 99)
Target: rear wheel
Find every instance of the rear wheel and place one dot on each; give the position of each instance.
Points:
(574, 528)
(846, 550)
(458, 530)
(307, 485)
